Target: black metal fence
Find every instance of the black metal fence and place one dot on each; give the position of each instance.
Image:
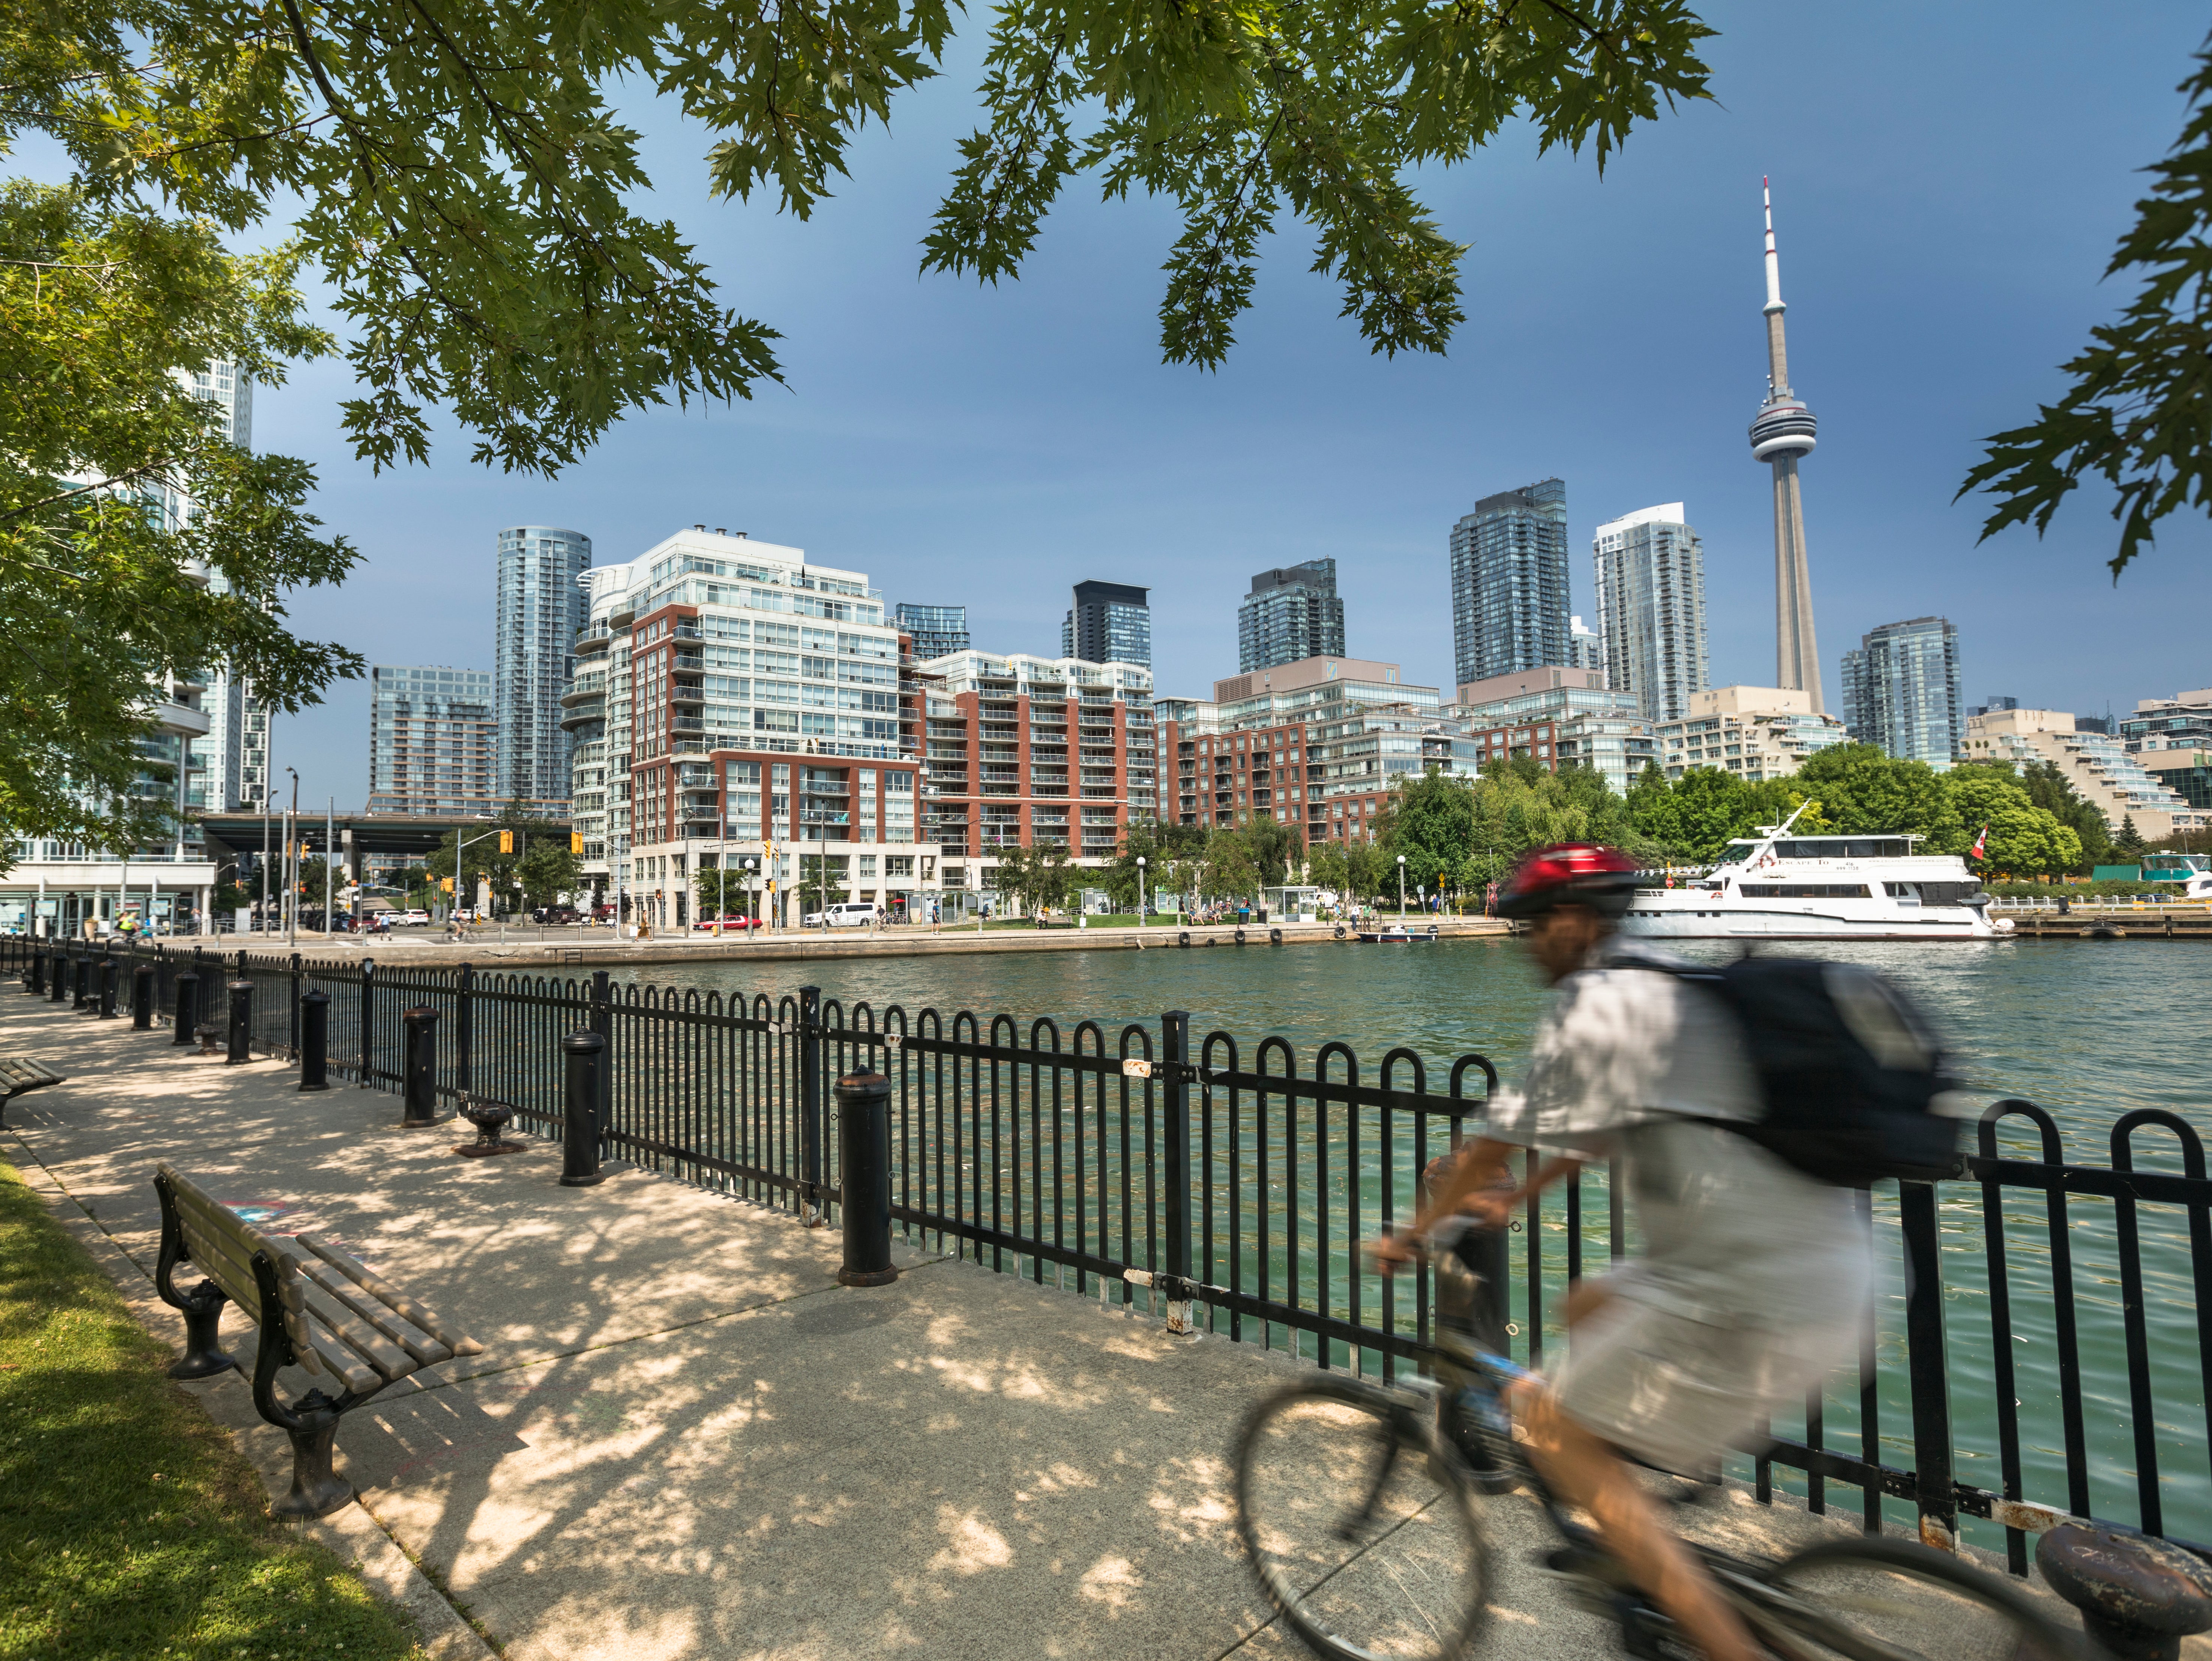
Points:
(2042, 1347)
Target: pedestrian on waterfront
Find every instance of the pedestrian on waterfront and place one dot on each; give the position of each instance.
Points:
(1755, 1277)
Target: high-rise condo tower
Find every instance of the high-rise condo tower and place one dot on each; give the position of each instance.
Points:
(1783, 431)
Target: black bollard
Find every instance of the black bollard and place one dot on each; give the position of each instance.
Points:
(864, 1175)
(420, 1071)
(37, 984)
(57, 977)
(2139, 1596)
(241, 1023)
(315, 1040)
(579, 1110)
(188, 1008)
(110, 973)
(141, 997)
(84, 992)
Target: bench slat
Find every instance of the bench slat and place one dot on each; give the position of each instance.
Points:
(414, 1309)
(237, 1239)
(222, 1261)
(425, 1350)
(354, 1372)
(362, 1340)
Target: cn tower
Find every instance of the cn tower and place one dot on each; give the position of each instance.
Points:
(1783, 431)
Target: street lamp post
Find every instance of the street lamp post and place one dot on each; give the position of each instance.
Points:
(292, 868)
(1140, 899)
(1401, 890)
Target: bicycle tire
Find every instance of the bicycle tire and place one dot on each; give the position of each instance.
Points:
(1853, 1600)
(1421, 1576)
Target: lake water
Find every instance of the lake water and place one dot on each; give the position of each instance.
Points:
(2089, 1030)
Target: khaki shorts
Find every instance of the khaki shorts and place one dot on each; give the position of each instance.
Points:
(1679, 1393)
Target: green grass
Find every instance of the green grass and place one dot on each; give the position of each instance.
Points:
(130, 1525)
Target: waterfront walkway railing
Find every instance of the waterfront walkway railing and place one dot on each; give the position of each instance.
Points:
(2042, 1347)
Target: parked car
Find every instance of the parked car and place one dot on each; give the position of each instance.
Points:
(849, 914)
(418, 917)
(554, 914)
(731, 922)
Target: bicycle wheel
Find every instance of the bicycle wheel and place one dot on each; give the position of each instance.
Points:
(1873, 1599)
(1362, 1523)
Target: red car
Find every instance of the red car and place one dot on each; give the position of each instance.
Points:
(728, 922)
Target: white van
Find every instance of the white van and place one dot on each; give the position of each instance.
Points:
(848, 914)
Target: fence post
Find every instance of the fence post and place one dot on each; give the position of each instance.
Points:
(419, 1102)
(292, 1024)
(582, 1050)
(241, 1023)
(864, 1179)
(57, 975)
(35, 984)
(110, 972)
(1928, 1364)
(315, 1040)
(809, 1105)
(602, 1021)
(367, 1029)
(83, 999)
(188, 1008)
(141, 997)
(1175, 1028)
(464, 1031)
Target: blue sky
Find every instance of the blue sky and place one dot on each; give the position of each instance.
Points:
(1948, 181)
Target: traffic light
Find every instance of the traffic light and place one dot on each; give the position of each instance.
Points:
(445, 883)
(506, 842)
(575, 842)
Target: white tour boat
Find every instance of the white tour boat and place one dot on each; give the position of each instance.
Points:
(1776, 887)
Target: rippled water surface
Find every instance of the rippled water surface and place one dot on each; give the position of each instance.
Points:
(2089, 1030)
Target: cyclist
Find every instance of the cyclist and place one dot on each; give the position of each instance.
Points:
(1754, 1277)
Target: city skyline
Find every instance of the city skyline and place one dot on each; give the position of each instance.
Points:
(944, 437)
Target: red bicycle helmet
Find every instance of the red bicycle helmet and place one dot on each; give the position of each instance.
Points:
(1570, 873)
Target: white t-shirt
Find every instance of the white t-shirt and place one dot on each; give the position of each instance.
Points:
(1629, 1062)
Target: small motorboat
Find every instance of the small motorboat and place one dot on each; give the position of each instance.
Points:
(1398, 936)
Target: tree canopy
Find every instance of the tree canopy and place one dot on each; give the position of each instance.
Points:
(2138, 408)
(136, 542)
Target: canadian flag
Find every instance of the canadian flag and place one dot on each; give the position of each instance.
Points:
(1982, 844)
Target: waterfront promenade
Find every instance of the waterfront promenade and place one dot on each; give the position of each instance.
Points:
(682, 1439)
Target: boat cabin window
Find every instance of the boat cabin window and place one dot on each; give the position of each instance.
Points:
(1843, 848)
(1737, 852)
(1803, 891)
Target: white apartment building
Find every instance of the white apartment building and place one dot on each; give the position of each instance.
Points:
(1759, 731)
(732, 702)
(2097, 764)
(1652, 609)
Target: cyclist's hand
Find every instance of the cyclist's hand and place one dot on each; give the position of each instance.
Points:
(1390, 1251)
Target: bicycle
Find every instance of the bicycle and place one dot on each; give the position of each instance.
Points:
(1361, 1505)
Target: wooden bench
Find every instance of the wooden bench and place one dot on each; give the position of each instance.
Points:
(20, 1074)
(316, 1306)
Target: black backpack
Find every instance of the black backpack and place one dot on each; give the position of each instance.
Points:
(1849, 1072)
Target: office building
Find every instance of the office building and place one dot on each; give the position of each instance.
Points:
(733, 702)
(1110, 623)
(541, 606)
(1901, 691)
(936, 630)
(1783, 431)
(1759, 731)
(433, 740)
(1994, 704)
(1509, 583)
(1028, 751)
(1292, 613)
(1556, 716)
(1652, 609)
(2182, 721)
(2187, 773)
(2097, 764)
(1585, 645)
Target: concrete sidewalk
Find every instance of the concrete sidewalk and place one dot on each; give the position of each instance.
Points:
(682, 1439)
